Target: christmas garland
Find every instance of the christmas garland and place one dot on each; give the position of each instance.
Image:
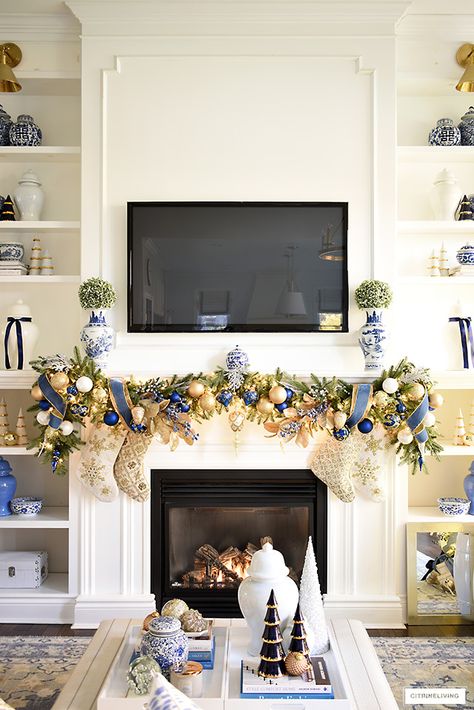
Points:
(71, 391)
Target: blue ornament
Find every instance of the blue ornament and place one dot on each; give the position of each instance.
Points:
(225, 397)
(44, 405)
(54, 464)
(391, 421)
(365, 426)
(185, 407)
(250, 397)
(175, 397)
(72, 390)
(56, 453)
(137, 427)
(289, 393)
(111, 418)
(341, 434)
(75, 408)
(401, 408)
(83, 411)
(281, 407)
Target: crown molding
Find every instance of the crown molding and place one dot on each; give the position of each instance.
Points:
(44, 27)
(444, 25)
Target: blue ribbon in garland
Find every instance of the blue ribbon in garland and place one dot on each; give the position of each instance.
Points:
(121, 401)
(55, 400)
(360, 405)
(19, 340)
(465, 329)
(415, 422)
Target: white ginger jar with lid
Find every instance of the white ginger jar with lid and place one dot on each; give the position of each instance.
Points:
(445, 195)
(29, 197)
(267, 571)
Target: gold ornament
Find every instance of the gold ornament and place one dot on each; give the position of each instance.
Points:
(36, 393)
(277, 394)
(196, 389)
(264, 406)
(236, 418)
(381, 399)
(148, 619)
(138, 414)
(59, 380)
(416, 392)
(10, 439)
(207, 401)
(340, 419)
(296, 663)
(99, 394)
(174, 607)
(436, 400)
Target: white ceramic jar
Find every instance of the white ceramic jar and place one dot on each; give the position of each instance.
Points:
(267, 571)
(29, 336)
(29, 197)
(445, 195)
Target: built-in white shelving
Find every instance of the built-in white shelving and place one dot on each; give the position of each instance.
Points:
(41, 226)
(55, 585)
(433, 227)
(47, 518)
(17, 379)
(17, 451)
(25, 279)
(435, 153)
(436, 280)
(454, 379)
(30, 154)
(434, 515)
(49, 83)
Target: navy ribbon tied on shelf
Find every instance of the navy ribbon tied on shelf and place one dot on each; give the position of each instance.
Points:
(360, 405)
(55, 400)
(19, 340)
(121, 401)
(465, 329)
(415, 422)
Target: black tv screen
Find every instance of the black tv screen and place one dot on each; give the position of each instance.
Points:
(237, 266)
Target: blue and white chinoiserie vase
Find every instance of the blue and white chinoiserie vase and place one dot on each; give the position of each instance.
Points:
(445, 133)
(7, 487)
(25, 131)
(5, 125)
(97, 338)
(372, 337)
(465, 255)
(167, 643)
(11, 251)
(466, 127)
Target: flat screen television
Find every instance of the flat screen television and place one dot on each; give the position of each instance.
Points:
(237, 266)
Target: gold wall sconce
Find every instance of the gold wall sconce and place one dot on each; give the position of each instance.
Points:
(465, 59)
(10, 56)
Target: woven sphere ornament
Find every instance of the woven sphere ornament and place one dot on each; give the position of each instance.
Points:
(277, 394)
(207, 401)
(196, 389)
(36, 393)
(59, 380)
(390, 385)
(381, 399)
(148, 619)
(340, 419)
(296, 663)
(436, 400)
(416, 392)
(99, 394)
(264, 406)
(11, 439)
(174, 607)
(192, 620)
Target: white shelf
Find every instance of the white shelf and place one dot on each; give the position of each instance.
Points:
(425, 84)
(35, 154)
(49, 83)
(436, 153)
(25, 279)
(450, 450)
(41, 226)
(454, 379)
(435, 280)
(436, 227)
(17, 379)
(17, 451)
(55, 585)
(47, 518)
(434, 515)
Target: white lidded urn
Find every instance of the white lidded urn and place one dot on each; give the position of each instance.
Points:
(29, 197)
(445, 195)
(267, 571)
(19, 337)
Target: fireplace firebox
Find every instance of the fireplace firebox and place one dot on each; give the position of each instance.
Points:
(206, 525)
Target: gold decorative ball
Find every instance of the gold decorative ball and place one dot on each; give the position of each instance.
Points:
(99, 394)
(59, 380)
(416, 392)
(174, 607)
(196, 389)
(264, 406)
(10, 439)
(381, 399)
(148, 619)
(207, 401)
(138, 414)
(340, 419)
(296, 663)
(436, 400)
(277, 394)
(36, 393)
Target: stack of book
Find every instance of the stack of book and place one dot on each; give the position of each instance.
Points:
(202, 648)
(289, 687)
(12, 267)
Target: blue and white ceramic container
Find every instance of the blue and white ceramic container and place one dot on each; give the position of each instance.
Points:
(465, 255)
(7, 487)
(372, 337)
(25, 131)
(466, 126)
(454, 506)
(27, 506)
(445, 133)
(167, 643)
(98, 338)
(5, 125)
(11, 251)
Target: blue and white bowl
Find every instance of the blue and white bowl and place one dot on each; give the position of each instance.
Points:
(454, 506)
(11, 251)
(27, 506)
(465, 255)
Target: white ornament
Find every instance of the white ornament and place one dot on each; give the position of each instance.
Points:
(390, 385)
(311, 603)
(43, 418)
(405, 436)
(84, 384)
(429, 419)
(66, 427)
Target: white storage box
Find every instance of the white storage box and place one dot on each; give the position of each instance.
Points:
(23, 570)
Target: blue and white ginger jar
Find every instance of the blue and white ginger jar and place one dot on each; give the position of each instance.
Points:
(25, 131)
(465, 255)
(167, 643)
(372, 337)
(445, 133)
(97, 338)
(5, 125)
(7, 487)
(466, 127)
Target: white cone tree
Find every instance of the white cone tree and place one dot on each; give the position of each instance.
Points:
(311, 603)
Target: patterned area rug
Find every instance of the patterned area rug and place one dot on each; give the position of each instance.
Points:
(428, 662)
(33, 669)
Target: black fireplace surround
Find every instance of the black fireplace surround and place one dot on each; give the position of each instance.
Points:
(230, 510)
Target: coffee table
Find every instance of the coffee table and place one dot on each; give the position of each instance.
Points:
(98, 681)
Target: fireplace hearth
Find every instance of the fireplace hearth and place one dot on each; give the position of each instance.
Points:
(206, 525)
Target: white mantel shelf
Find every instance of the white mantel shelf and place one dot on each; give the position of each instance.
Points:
(434, 515)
